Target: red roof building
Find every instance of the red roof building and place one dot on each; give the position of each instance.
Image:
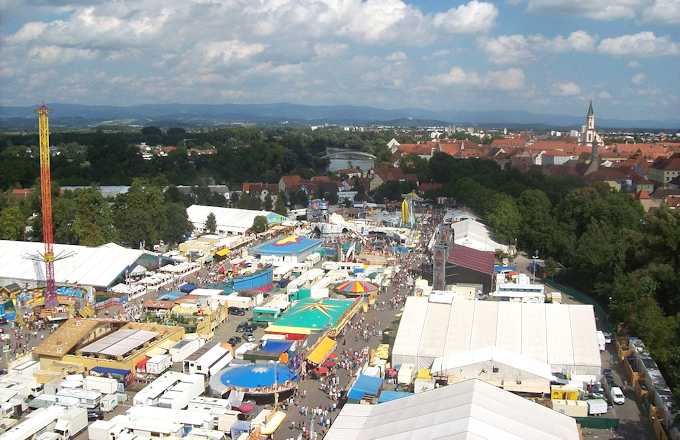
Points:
(473, 259)
(289, 183)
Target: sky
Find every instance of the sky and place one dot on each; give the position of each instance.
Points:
(542, 56)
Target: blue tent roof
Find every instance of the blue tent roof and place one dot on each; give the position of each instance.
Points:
(187, 287)
(275, 346)
(256, 375)
(388, 396)
(365, 386)
(171, 296)
(287, 246)
(112, 371)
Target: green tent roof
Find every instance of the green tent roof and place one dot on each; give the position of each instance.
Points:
(316, 314)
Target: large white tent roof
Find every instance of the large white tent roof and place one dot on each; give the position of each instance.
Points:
(227, 219)
(85, 266)
(561, 335)
(466, 410)
(472, 233)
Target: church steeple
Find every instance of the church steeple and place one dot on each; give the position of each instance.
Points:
(590, 109)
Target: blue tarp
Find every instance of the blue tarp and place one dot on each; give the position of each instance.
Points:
(500, 268)
(171, 296)
(364, 386)
(388, 396)
(276, 346)
(187, 287)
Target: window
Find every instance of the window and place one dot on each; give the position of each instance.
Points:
(494, 369)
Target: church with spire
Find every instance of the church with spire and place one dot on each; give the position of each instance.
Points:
(591, 139)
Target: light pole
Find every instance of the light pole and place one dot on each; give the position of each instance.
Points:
(534, 257)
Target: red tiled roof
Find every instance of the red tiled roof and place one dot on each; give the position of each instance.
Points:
(451, 148)
(643, 195)
(21, 193)
(259, 187)
(509, 142)
(479, 261)
(670, 164)
(291, 181)
(650, 151)
(424, 149)
(391, 174)
(429, 186)
(321, 179)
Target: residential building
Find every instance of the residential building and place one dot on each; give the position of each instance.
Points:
(663, 171)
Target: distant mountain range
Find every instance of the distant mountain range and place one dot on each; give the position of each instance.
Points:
(166, 115)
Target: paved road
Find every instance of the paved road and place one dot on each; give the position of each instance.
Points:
(382, 317)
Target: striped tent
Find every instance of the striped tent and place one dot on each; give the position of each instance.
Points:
(356, 288)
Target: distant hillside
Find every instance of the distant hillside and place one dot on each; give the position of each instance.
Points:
(78, 116)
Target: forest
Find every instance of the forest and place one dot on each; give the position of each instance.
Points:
(243, 154)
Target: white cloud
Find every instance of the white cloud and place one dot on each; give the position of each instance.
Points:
(633, 64)
(567, 88)
(657, 11)
(59, 55)
(604, 95)
(638, 79)
(593, 9)
(514, 49)
(231, 50)
(517, 49)
(472, 17)
(663, 11)
(329, 50)
(642, 44)
(507, 80)
(397, 56)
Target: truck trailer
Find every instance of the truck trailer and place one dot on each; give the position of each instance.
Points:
(65, 422)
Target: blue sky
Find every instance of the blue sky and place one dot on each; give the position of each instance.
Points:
(543, 56)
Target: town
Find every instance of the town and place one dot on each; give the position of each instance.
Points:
(372, 300)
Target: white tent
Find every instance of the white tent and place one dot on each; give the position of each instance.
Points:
(228, 220)
(86, 266)
(471, 233)
(561, 335)
(466, 410)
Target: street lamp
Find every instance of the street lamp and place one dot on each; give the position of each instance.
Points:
(534, 257)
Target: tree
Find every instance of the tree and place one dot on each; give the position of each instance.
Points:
(211, 223)
(268, 202)
(259, 224)
(505, 218)
(178, 225)
(300, 198)
(11, 223)
(93, 222)
(280, 207)
(139, 214)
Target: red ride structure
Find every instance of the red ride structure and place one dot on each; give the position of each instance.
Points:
(46, 194)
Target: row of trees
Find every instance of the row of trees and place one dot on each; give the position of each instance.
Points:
(243, 154)
(602, 240)
(143, 216)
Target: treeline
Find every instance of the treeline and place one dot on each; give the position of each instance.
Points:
(242, 154)
(593, 238)
(144, 216)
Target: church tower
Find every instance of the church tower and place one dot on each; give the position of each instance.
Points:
(590, 138)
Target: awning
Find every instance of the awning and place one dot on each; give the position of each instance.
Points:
(323, 348)
(284, 329)
(223, 252)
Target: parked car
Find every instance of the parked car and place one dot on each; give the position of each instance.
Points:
(235, 340)
(249, 337)
(617, 396)
(94, 414)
